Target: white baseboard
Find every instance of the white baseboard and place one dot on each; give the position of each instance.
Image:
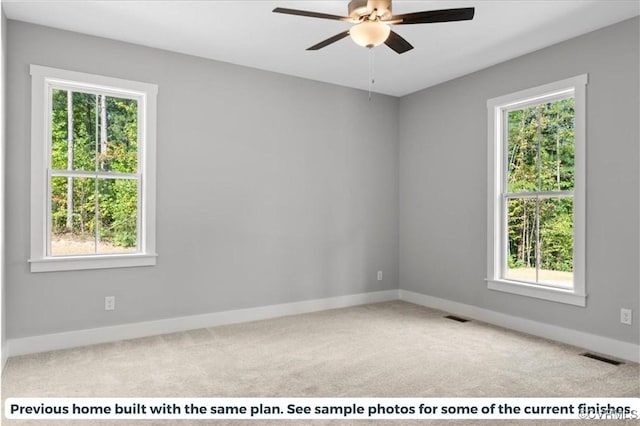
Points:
(603, 345)
(49, 342)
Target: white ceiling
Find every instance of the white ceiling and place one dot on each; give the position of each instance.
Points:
(248, 33)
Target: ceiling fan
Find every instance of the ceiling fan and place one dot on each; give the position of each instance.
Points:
(372, 19)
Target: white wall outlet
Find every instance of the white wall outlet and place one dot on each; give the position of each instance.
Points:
(625, 316)
(379, 275)
(109, 303)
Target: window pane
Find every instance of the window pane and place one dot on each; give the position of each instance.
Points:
(557, 146)
(85, 130)
(72, 216)
(118, 218)
(521, 239)
(59, 130)
(104, 137)
(116, 225)
(549, 127)
(119, 151)
(522, 150)
(556, 241)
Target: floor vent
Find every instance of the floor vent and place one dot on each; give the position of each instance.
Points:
(455, 318)
(601, 358)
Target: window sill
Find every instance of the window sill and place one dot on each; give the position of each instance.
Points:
(75, 263)
(538, 291)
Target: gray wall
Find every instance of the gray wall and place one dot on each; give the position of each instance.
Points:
(3, 107)
(443, 194)
(271, 189)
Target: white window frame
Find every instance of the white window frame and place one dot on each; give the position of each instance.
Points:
(496, 223)
(43, 79)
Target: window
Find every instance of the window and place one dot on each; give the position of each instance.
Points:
(92, 171)
(536, 182)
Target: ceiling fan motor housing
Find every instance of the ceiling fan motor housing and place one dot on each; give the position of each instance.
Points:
(359, 8)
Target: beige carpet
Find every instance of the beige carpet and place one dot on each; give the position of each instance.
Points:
(391, 349)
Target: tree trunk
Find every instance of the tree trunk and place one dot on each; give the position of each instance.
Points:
(558, 154)
(82, 211)
(533, 246)
(103, 129)
(523, 239)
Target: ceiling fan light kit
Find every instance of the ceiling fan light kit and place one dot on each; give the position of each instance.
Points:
(370, 33)
(372, 19)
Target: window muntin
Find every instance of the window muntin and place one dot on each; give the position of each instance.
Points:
(536, 169)
(93, 188)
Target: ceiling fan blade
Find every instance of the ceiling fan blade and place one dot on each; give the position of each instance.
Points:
(311, 14)
(397, 43)
(432, 16)
(329, 41)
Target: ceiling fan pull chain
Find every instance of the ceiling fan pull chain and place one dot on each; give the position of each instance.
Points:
(372, 80)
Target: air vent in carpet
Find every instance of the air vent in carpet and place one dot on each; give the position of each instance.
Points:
(601, 358)
(455, 318)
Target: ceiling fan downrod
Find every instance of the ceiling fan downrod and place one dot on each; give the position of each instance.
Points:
(361, 9)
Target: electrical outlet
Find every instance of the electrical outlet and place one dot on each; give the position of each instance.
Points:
(109, 303)
(379, 275)
(625, 316)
